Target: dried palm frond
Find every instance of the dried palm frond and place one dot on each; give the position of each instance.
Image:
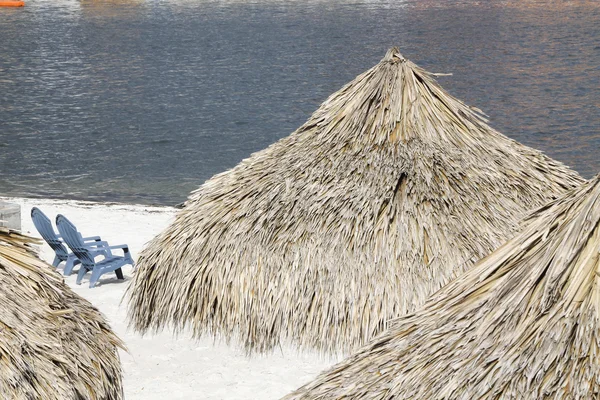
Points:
(389, 190)
(523, 323)
(53, 343)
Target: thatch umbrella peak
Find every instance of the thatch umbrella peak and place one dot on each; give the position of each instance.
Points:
(389, 190)
(53, 343)
(394, 55)
(523, 323)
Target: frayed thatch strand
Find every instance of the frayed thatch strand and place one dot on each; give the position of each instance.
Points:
(53, 343)
(389, 190)
(523, 323)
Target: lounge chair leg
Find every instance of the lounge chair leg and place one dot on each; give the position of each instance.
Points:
(80, 274)
(56, 261)
(71, 262)
(128, 259)
(96, 272)
(119, 273)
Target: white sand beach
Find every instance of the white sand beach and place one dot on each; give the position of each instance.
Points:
(163, 366)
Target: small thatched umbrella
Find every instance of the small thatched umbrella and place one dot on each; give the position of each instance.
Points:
(523, 323)
(389, 190)
(53, 343)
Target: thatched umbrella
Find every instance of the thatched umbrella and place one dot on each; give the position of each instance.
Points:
(523, 323)
(389, 190)
(53, 343)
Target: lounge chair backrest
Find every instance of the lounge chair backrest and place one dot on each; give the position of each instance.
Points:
(44, 226)
(74, 240)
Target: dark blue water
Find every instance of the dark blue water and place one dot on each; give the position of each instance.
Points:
(141, 101)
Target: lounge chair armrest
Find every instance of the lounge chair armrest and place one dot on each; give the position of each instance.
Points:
(119, 246)
(123, 247)
(100, 244)
(94, 238)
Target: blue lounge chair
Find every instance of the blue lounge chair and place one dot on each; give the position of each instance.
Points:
(44, 226)
(87, 254)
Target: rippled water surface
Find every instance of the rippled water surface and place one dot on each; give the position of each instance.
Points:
(141, 101)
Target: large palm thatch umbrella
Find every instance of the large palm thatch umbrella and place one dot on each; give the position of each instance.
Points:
(523, 323)
(388, 191)
(53, 343)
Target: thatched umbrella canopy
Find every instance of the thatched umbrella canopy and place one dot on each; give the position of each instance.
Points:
(389, 190)
(53, 343)
(523, 323)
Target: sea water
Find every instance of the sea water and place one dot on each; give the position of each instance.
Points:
(142, 101)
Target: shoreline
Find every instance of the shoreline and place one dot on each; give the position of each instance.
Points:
(165, 365)
(83, 202)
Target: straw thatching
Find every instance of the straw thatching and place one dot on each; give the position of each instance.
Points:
(523, 323)
(53, 343)
(387, 192)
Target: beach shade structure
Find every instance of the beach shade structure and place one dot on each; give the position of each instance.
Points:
(523, 323)
(53, 343)
(387, 192)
